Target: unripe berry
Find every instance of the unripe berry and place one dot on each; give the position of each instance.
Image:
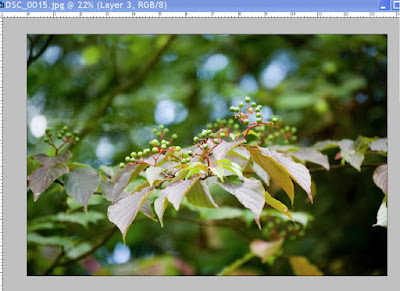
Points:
(294, 130)
(164, 146)
(287, 128)
(211, 135)
(236, 126)
(154, 142)
(258, 109)
(77, 139)
(271, 137)
(133, 160)
(68, 134)
(259, 120)
(246, 121)
(258, 114)
(48, 130)
(209, 131)
(216, 140)
(146, 151)
(163, 141)
(185, 155)
(174, 136)
(155, 150)
(65, 128)
(190, 153)
(133, 154)
(259, 106)
(75, 133)
(237, 109)
(247, 99)
(203, 135)
(140, 154)
(293, 138)
(222, 135)
(178, 148)
(282, 131)
(168, 143)
(195, 139)
(241, 104)
(127, 159)
(155, 130)
(253, 104)
(121, 165)
(183, 161)
(59, 136)
(158, 134)
(231, 121)
(161, 126)
(285, 141)
(187, 160)
(274, 119)
(276, 134)
(232, 109)
(209, 125)
(223, 121)
(166, 130)
(205, 146)
(215, 124)
(46, 139)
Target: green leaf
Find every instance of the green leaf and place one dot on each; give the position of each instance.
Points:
(93, 200)
(80, 218)
(199, 195)
(295, 101)
(224, 212)
(249, 192)
(279, 174)
(311, 155)
(271, 201)
(380, 177)
(224, 147)
(235, 168)
(49, 162)
(302, 267)
(252, 132)
(43, 177)
(193, 172)
(381, 217)
(180, 175)
(225, 161)
(266, 249)
(153, 174)
(349, 152)
(109, 171)
(125, 176)
(218, 171)
(81, 183)
(124, 211)
(49, 240)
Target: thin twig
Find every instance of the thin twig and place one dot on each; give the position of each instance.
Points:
(32, 57)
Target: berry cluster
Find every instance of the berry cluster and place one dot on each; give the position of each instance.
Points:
(158, 147)
(64, 135)
(276, 228)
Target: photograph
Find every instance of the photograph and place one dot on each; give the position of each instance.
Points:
(206, 155)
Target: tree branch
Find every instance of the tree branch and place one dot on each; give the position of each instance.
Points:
(32, 57)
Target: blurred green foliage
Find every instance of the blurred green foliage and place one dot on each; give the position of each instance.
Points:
(115, 88)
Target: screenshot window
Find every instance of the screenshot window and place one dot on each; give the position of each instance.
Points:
(192, 144)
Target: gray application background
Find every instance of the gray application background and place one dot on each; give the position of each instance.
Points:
(15, 32)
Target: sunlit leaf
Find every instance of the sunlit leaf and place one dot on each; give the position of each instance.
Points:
(379, 145)
(302, 267)
(312, 156)
(218, 171)
(325, 144)
(124, 211)
(200, 196)
(125, 176)
(153, 174)
(349, 152)
(261, 173)
(176, 192)
(381, 217)
(160, 204)
(224, 147)
(271, 201)
(265, 249)
(380, 177)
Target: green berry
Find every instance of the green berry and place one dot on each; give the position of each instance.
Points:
(77, 139)
(68, 134)
(293, 138)
(232, 109)
(246, 121)
(185, 155)
(222, 135)
(187, 160)
(168, 143)
(164, 146)
(161, 126)
(166, 130)
(65, 128)
(133, 160)
(247, 99)
(127, 159)
(121, 165)
(203, 135)
(209, 125)
(59, 136)
(183, 161)
(158, 134)
(195, 139)
(294, 130)
(190, 153)
(155, 150)
(237, 109)
(205, 146)
(236, 126)
(133, 154)
(215, 124)
(174, 136)
(258, 114)
(223, 121)
(75, 133)
(46, 139)
(253, 104)
(154, 142)
(140, 154)
(259, 120)
(209, 131)
(285, 141)
(287, 128)
(163, 141)
(241, 104)
(216, 140)
(274, 119)
(178, 148)
(146, 151)
(258, 109)
(48, 130)
(259, 106)
(231, 121)
(276, 134)
(155, 130)
(271, 137)
(211, 135)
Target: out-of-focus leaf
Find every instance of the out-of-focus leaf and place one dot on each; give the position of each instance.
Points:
(153, 174)
(49, 240)
(224, 212)
(302, 267)
(200, 196)
(109, 171)
(278, 173)
(125, 176)
(124, 211)
(312, 156)
(303, 218)
(265, 249)
(381, 217)
(49, 162)
(81, 183)
(43, 177)
(379, 145)
(271, 201)
(380, 177)
(76, 217)
(249, 192)
(295, 101)
(93, 200)
(325, 144)
(349, 152)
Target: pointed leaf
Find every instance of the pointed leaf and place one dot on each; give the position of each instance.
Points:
(125, 176)
(193, 172)
(124, 211)
(271, 201)
(381, 217)
(279, 174)
(160, 204)
(349, 152)
(265, 249)
(312, 156)
(153, 174)
(302, 267)
(379, 145)
(199, 195)
(380, 177)
(81, 183)
(176, 192)
(224, 147)
(43, 177)
(325, 144)
(218, 171)
(250, 193)
(262, 174)
(47, 161)
(146, 210)
(107, 189)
